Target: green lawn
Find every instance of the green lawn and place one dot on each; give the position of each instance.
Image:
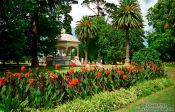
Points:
(163, 101)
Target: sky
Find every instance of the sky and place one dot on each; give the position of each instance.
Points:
(78, 11)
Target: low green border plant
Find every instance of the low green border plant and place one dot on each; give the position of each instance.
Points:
(108, 101)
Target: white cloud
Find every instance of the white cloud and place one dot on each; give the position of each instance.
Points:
(78, 11)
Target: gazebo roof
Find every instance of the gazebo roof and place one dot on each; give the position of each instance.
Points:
(68, 37)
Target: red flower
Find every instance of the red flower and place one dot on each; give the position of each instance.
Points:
(133, 63)
(8, 73)
(73, 82)
(57, 66)
(30, 70)
(71, 72)
(98, 75)
(107, 72)
(84, 69)
(119, 69)
(2, 81)
(70, 85)
(31, 81)
(26, 75)
(72, 65)
(48, 72)
(17, 74)
(66, 77)
(124, 76)
(120, 72)
(129, 69)
(23, 68)
(54, 76)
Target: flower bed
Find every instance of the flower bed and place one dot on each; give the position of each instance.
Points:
(47, 89)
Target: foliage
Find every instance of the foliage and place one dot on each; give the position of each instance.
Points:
(108, 101)
(86, 30)
(49, 88)
(127, 16)
(147, 55)
(29, 28)
(13, 23)
(161, 17)
(109, 44)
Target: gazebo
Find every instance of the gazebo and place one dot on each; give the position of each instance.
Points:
(66, 43)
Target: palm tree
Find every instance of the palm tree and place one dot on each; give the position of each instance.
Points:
(86, 30)
(128, 16)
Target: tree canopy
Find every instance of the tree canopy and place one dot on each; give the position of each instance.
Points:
(162, 38)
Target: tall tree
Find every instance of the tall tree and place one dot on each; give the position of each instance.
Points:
(128, 16)
(49, 11)
(86, 30)
(162, 38)
(100, 7)
(13, 23)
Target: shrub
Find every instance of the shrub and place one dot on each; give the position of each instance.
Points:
(109, 101)
(47, 89)
(147, 55)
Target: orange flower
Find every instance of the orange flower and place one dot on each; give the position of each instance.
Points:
(73, 82)
(107, 72)
(98, 75)
(2, 81)
(124, 76)
(31, 81)
(84, 69)
(120, 72)
(17, 74)
(48, 72)
(54, 76)
(57, 66)
(71, 72)
(23, 68)
(70, 85)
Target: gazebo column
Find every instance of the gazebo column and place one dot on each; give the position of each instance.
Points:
(77, 51)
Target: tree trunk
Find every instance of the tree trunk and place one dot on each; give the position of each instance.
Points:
(127, 60)
(3, 62)
(34, 41)
(86, 53)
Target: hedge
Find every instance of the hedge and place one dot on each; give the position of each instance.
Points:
(109, 101)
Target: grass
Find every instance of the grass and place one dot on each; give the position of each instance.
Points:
(163, 100)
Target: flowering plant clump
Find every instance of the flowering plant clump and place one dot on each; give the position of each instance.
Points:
(47, 89)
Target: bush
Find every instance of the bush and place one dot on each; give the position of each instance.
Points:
(147, 55)
(47, 89)
(109, 101)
